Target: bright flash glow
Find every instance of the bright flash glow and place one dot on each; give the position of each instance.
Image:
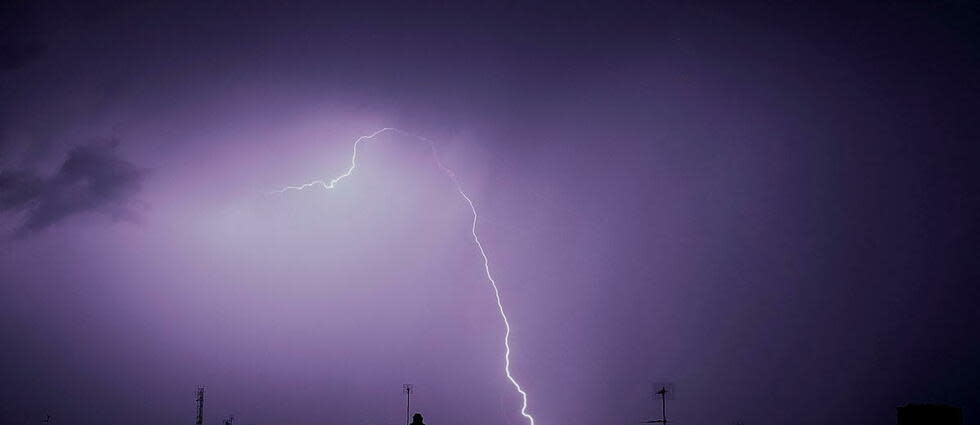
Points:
(332, 183)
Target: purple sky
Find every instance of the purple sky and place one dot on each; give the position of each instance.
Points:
(774, 207)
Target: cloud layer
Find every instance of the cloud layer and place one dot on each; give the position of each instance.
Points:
(93, 179)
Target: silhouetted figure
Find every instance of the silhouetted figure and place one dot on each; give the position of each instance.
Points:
(417, 419)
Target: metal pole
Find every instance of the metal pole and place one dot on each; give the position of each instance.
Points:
(408, 403)
(200, 406)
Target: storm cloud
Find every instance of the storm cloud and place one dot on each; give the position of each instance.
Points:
(772, 205)
(93, 179)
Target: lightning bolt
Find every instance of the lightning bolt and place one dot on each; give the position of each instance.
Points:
(332, 183)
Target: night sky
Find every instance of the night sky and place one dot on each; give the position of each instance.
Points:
(773, 206)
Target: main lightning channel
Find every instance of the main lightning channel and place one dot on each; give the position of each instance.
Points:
(332, 183)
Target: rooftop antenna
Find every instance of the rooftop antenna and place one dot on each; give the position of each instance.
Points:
(200, 406)
(230, 419)
(408, 388)
(663, 392)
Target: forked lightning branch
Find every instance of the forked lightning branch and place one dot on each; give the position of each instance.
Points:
(332, 183)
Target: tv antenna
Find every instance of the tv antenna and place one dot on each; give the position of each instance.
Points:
(408, 388)
(200, 405)
(663, 392)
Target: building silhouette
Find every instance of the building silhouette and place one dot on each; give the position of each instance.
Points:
(929, 414)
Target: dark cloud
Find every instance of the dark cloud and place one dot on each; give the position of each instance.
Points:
(17, 188)
(93, 179)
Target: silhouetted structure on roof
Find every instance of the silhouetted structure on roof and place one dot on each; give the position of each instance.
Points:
(200, 406)
(929, 414)
(662, 392)
(417, 419)
(408, 388)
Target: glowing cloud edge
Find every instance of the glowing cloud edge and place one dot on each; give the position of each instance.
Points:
(327, 185)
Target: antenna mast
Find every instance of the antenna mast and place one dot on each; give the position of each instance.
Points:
(662, 391)
(663, 399)
(200, 406)
(408, 388)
